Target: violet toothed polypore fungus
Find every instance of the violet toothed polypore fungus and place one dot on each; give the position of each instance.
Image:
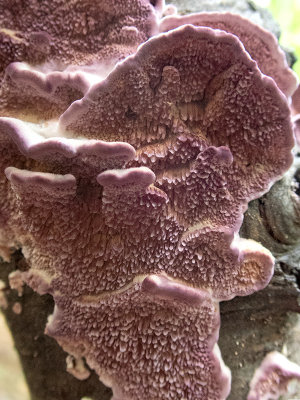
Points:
(261, 44)
(45, 94)
(162, 341)
(51, 51)
(68, 33)
(214, 183)
(127, 207)
(272, 378)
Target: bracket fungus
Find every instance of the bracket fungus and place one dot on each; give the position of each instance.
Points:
(272, 378)
(74, 33)
(127, 197)
(261, 44)
(44, 46)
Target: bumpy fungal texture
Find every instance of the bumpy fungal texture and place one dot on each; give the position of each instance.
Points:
(54, 38)
(169, 330)
(261, 44)
(74, 32)
(182, 93)
(82, 157)
(45, 95)
(129, 232)
(271, 379)
(128, 209)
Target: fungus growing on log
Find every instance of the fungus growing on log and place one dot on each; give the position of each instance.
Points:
(51, 52)
(162, 329)
(128, 205)
(261, 44)
(46, 94)
(272, 378)
(74, 33)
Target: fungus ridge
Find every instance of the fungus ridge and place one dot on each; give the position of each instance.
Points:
(116, 241)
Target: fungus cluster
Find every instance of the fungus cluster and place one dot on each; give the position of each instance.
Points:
(130, 147)
(272, 378)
